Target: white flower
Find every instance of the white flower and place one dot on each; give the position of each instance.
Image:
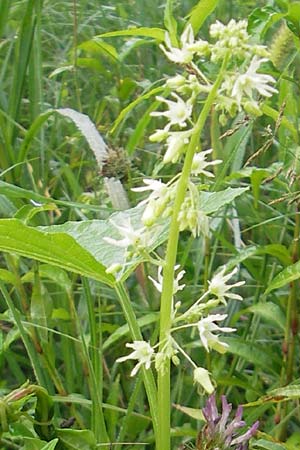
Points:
(199, 163)
(138, 239)
(157, 200)
(184, 55)
(176, 82)
(142, 351)
(158, 188)
(233, 29)
(176, 142)
(176, 286)
(159, 135)
(201, 376)
(178, 113)
(190, 215)
(206, 327)
(167, 353)
(250, 81)
(219, 288)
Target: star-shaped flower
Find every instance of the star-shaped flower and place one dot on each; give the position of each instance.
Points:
(199, 163)
(135, 239)
(189, 46)
(176, 286)
(219, 288)
(143, 352)
(250, 81)
(178, 113)
(207, 327)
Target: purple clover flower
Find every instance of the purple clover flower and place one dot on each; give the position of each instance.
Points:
(221, 433)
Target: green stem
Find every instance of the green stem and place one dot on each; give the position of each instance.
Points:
(164, 397)
(136, 335)
(95, 362)
(24, 336)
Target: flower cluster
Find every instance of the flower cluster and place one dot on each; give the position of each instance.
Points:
(206, 324)
(222, 433)
(242, 84)
(239, 86)
(233, 37)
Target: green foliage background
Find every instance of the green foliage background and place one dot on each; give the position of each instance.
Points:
(62, 326)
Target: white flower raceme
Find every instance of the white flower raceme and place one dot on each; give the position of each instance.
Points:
(136, 239)
(201, 376)
(207, 327)
(176, 286)
(219, 288)
(178, 113)
(199, 163)
(251, 81)
(157, 201)
(143, 352)
(185, 54)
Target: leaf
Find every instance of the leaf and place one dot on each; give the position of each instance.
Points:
(293, 442)
(27, 212)
(257, 176)
(40, 307)
(77, 439)
(287, 275)
(269, 311)
(97, 46)
(191, 412)
(290, 392)
(279, 251)
(234, 151)
(50, 445)
(124, 330)
(156, 33)
(89, 131)
(10, 190)
(170, 22)
(37, 444)
(268, 111)
(133, 104)
(8, 277)
(293, 17)
(268, 445)
(82, 122)
(55, 274)
(58, 249)
(253, 353)
(212, 201)
(200, 12)
(261, 19)
(89, 232)
(140, 127)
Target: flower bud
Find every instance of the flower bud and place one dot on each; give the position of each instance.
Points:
(201, 376)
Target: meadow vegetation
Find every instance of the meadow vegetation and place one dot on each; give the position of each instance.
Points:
(149, 224)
